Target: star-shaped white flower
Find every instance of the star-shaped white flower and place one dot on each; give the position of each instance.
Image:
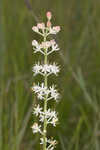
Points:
(36, 128)
(37, 110)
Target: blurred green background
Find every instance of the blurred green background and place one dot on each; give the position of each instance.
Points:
(78, 81)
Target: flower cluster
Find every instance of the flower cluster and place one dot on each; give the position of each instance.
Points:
(50, 47)
(52, 143)
(45, 69)
(51, 116)
(41, 28)
(44, 92)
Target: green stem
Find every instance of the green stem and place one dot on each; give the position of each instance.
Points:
(45, 104)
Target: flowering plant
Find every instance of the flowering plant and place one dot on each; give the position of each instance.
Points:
(44, 93)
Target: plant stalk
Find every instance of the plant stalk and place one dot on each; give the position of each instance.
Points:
(45, 103)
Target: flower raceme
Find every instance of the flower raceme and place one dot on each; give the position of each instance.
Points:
(44, 93)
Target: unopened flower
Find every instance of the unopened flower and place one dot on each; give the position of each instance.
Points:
(54, 47)
(35, 43)
(48, 24)
(55, 30)
(49, 15)
(41, 26)
(35, 28)
(36, 46)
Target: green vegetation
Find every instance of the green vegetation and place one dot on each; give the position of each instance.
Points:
(79, 80)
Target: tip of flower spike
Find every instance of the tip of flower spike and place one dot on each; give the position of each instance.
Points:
(49, 15)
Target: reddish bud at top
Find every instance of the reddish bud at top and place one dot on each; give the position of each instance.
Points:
(49, 15)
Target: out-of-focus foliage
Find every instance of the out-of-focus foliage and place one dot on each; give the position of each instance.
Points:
(79, 80)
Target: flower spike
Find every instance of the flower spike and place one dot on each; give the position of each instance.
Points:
(46, 116)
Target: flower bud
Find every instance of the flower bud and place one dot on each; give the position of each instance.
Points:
(56, 28)
(40, 25)
(48, 24)
(35, 29)
(49, 15)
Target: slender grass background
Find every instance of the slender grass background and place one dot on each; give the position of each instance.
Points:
(79, 80)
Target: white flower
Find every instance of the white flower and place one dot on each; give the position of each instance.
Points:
(54, 121)
(36, 88)
(40, 96)
(45, 68)
(52, 144)
(54, 69)
(54, 93)
(36, 128)
(37, 110)
(43, 88)
(37, 68)
(41, 91)
(41, 117)
(51, 148)
(51, 117)
(49, 69)
(41, 141)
